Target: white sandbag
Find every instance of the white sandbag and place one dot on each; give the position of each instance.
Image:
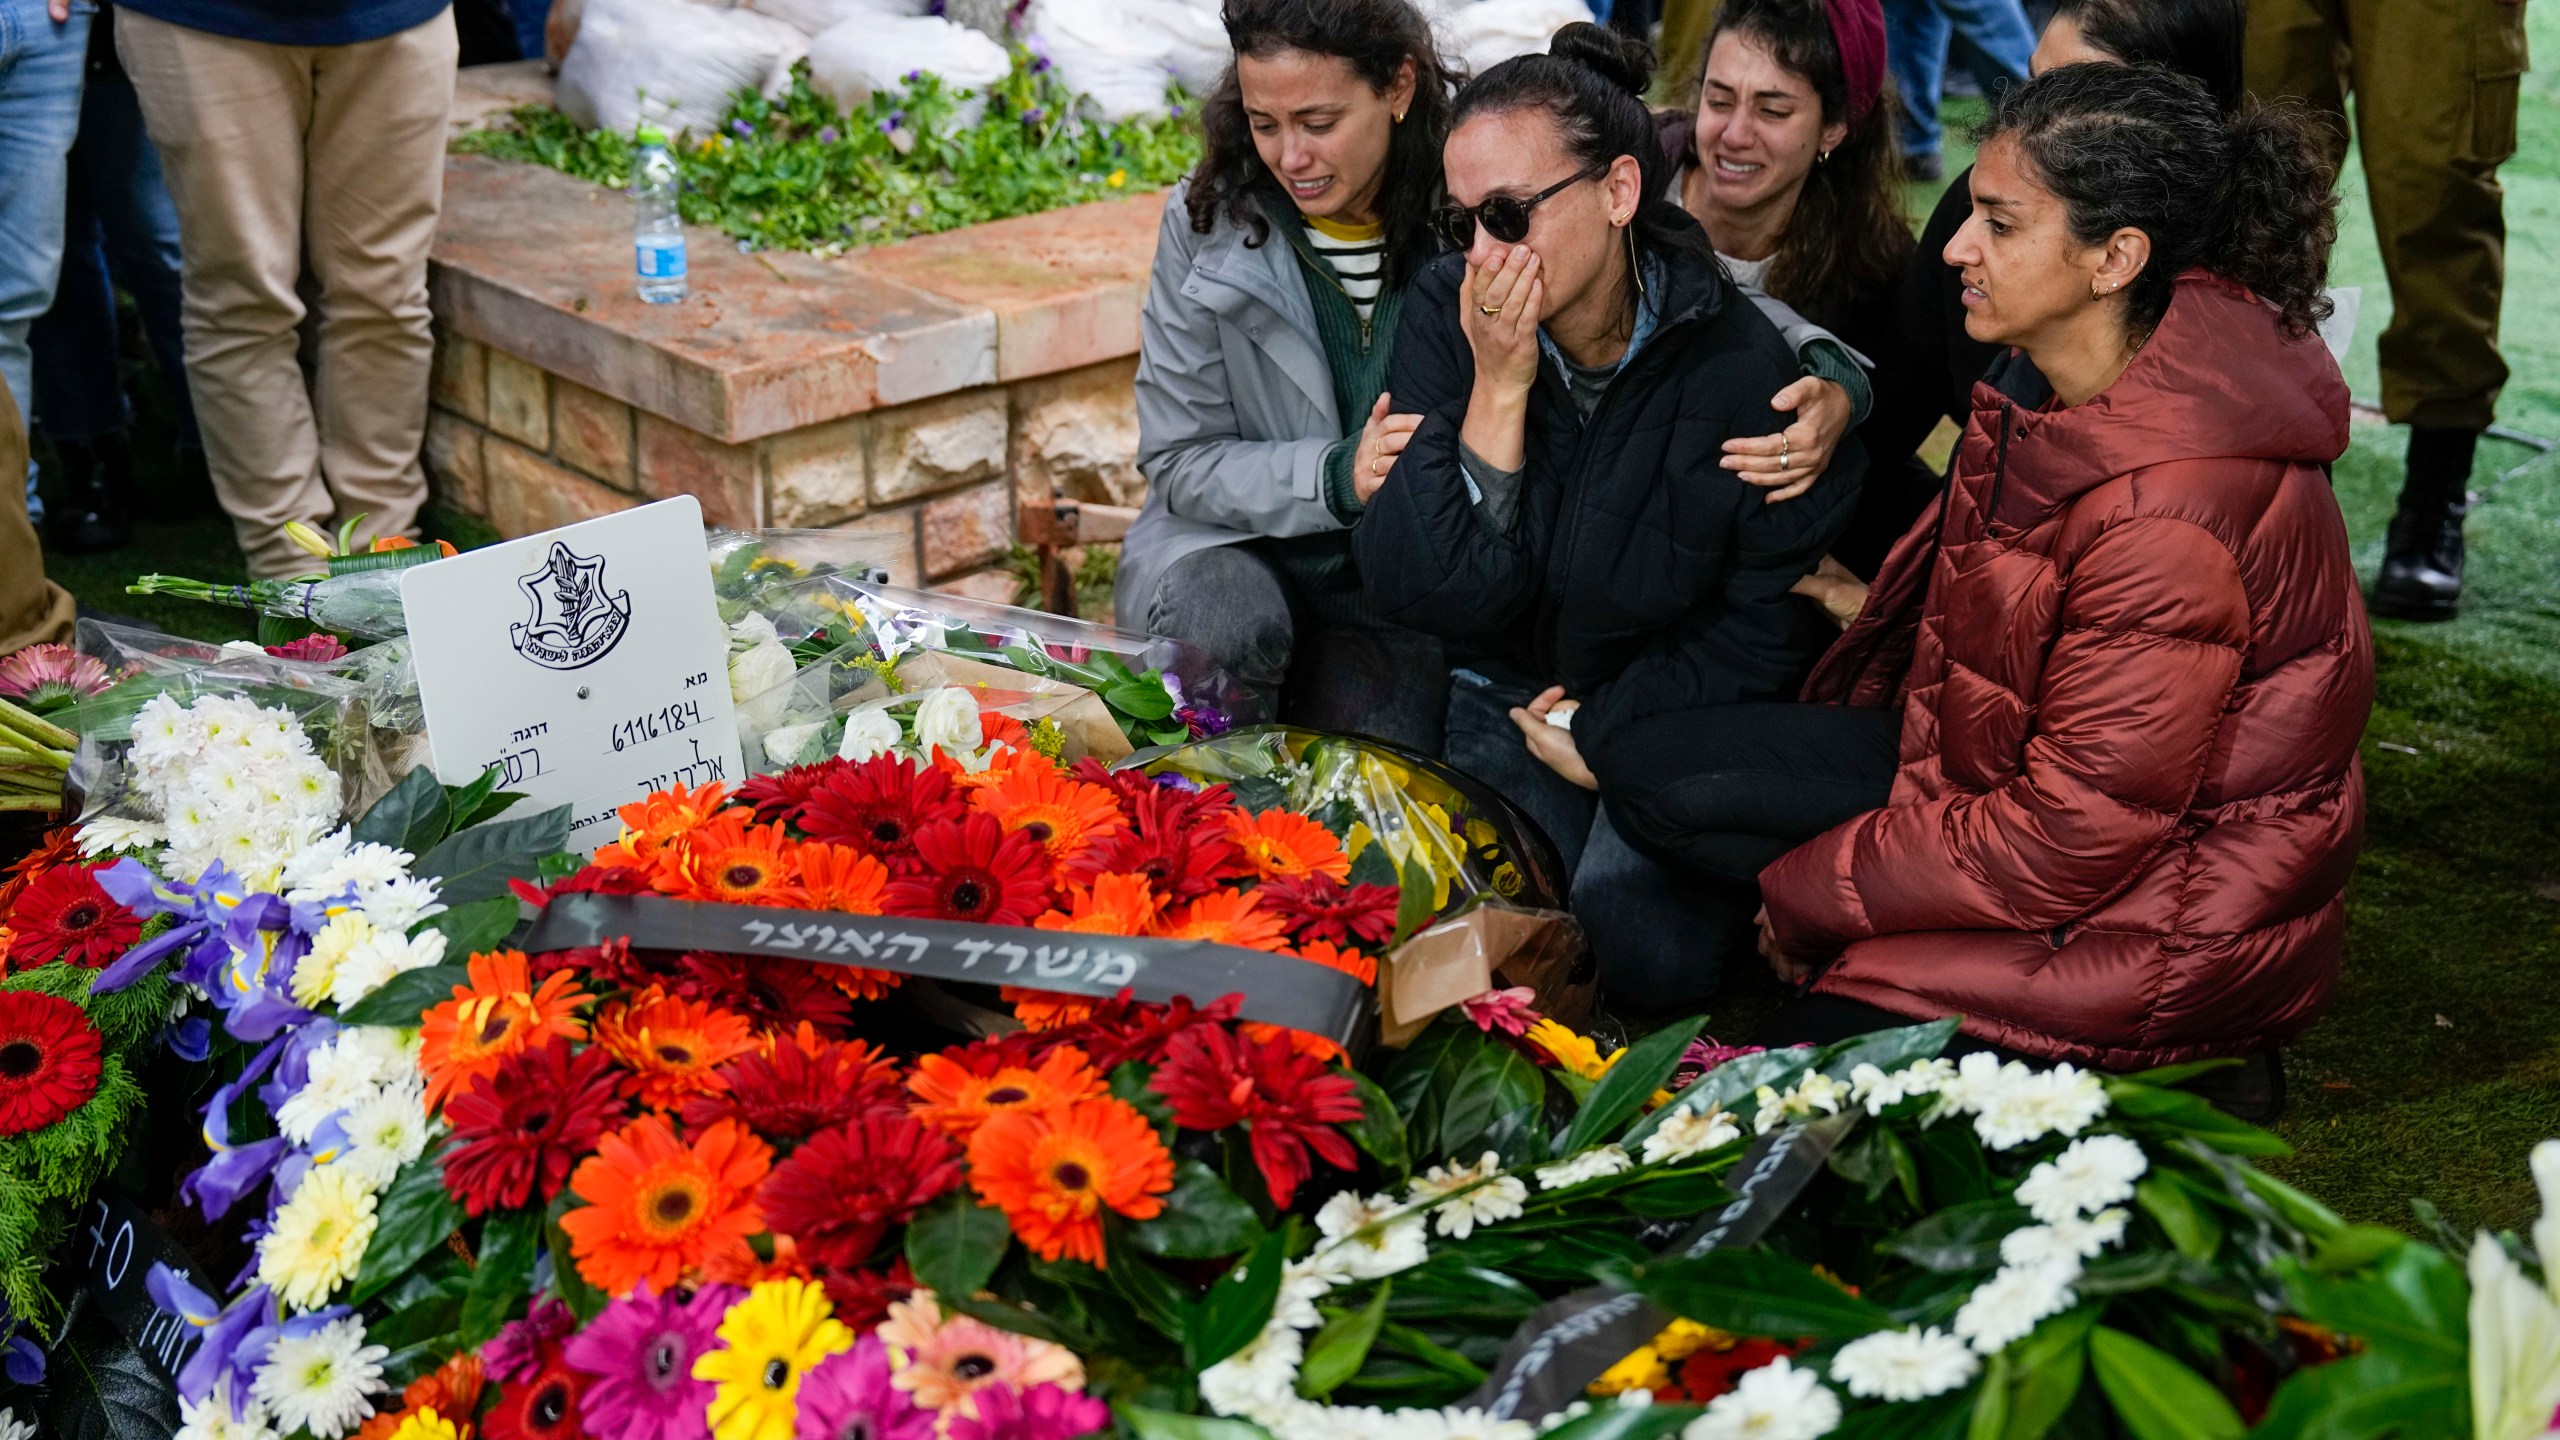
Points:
(816, 17)
(1197, 51)
(671, 63)
(1480, 34)
(1119, 67)
(852, 60)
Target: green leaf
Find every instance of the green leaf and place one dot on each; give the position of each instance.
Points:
(1675, 1196)
(1887, 1049)
(2156, 1397)
(1645, 1067)
(1166, 1425)
(1413, 900)
(1336, 1352)
(480, 800)
(413, 815)
(476, 928)
(1625, 1422)
(2413, 1301)
(1944, 1417)
(955, 1244)
(1723, 1086)
(1991, 1401)
(2355, 1247)
(1498, 1081)
(1372, 866)
(1129, 1082)
(504, 1274)
(1749, 1292)
(99, 1386)
(1960, 1237)
(2166, 1076)
(1139, 699)
(1237, 1305)
(413, 1217)
(477, 863)
(406, 996)
(2044, 1372)
(1159, 1299)
(1380, 1130)
(2192, 1114)
(1202, 1219)
(2190, 1226)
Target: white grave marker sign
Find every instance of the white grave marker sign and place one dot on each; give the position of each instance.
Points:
(588, 663)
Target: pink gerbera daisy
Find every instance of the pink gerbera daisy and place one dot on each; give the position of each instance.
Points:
(640, 1351)
(848, 1396)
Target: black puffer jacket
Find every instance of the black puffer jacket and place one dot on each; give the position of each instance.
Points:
(1639, 574)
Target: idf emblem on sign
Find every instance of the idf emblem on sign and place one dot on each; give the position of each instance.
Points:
(575, 621)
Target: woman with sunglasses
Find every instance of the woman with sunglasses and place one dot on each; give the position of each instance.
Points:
(1559, 514)
(1789, 163)
(1278, 281)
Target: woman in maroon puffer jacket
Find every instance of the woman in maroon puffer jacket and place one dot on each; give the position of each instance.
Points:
(2127, 647)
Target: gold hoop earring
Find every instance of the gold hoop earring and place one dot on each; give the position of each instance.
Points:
(1399, 117)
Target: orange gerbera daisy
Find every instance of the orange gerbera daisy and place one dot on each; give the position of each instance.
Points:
(956, 1099)
(1063, 815)
(1046, 1009)
(1053, 1172)
(673, 1047)
(499, 1013)
(729, 858)
(737, 1263)
(651, 823)
(1284, 845)
(1227, 917)
(657, 1207)
(1344, 958)
(1115, 905)
(840, 878)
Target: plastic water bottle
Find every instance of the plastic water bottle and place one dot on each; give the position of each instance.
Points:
(657, 231)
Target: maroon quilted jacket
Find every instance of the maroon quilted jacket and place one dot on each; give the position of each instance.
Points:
(2133, 665)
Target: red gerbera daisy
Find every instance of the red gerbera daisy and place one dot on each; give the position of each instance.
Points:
(593, 880)
(64, 915)
(839, 1193)
(1122, 1029)
(542, 1408)
(49, 1056)
(784, 794)
(803, 1087)
(1173, 804)
(1289, 1102)
(1318, 909)
(877, 807)
(518, 1133)
(1181, 858)
(973, 869)
(774, 994)
(863, 1297)
(61, 847)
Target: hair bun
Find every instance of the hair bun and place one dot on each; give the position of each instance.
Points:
(1622, 60)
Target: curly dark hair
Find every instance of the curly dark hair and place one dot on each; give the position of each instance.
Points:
(2193, 37)
(2246, 196)
(1374, 37)
(1591, 83)
(1848, 239)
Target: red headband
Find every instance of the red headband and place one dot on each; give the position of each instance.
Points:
(1857, 27)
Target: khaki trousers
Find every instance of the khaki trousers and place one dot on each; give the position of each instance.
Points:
(282, 156)
(32, 608)
(2435, 84)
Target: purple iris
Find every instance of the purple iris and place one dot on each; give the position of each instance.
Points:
(131, 884)
(21, 1359)
(233, 1341)
(234, 1170)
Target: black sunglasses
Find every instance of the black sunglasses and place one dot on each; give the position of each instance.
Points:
(1505, 217)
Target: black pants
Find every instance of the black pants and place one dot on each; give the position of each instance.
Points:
(1718, 793)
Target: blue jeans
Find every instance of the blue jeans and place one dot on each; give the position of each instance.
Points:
(42, 65)
(1661, 938)
(1992, 37)
(119, 231)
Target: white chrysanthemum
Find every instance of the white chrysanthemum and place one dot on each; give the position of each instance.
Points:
(1876, 1089)
(2092, 1173)
(2039, 1103)
(336, 863)
(1688, 1132)
(315, 975)
(2009, 1304)
(1396, 1245)
(385, 954)
(340, 1075)
(1815, 1093)
(1494, 1196)
(109, 834)
(1592, 1164)
(317, 1239)
(1775, 1402)
(1302, 1283)
(1460, 1423)
(385, 1131)
(1904, 1365)
(2066, 1242)
(399, 904)
(212, 1419)
(13, 1428)
(319, 1382)
(1262, 1375)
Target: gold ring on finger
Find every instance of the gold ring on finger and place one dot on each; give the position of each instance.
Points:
(1489, 309)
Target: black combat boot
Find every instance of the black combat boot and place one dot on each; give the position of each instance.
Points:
(2422, 564)
(93, 508)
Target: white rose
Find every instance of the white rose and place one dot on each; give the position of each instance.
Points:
(784, 744)
(947, 720)
(758, 676)
(868, 734)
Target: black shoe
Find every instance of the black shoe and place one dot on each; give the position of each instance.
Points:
(2422, 559)
(1924, 169)
(92, 509)
(2251, 1091)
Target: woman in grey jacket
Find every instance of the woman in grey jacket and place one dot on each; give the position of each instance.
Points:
(1269, 318)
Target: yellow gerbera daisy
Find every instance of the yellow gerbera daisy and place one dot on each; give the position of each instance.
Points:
(772, 1339)
(425, 1424)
